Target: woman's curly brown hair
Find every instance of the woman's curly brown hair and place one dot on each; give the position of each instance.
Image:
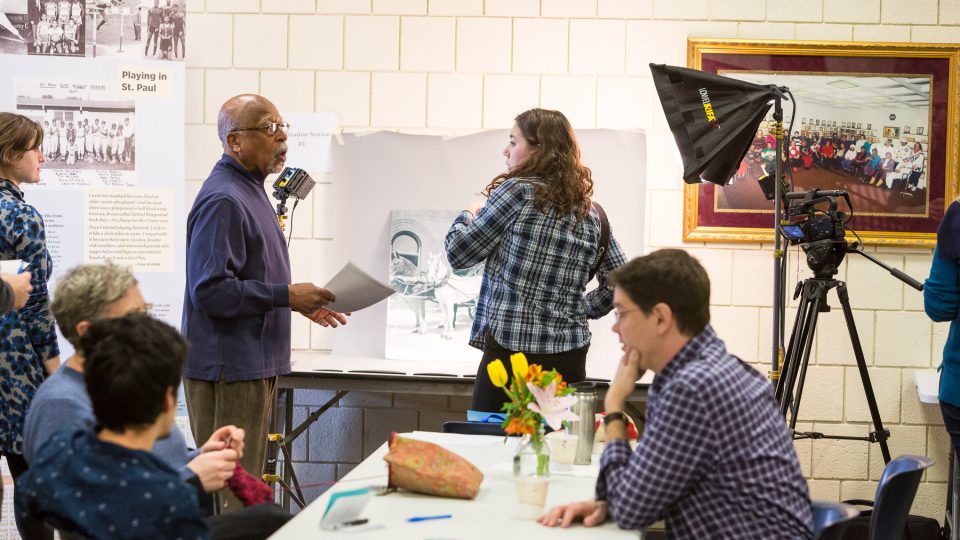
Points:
(566, 184)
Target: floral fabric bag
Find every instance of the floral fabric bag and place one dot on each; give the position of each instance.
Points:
(426, 468)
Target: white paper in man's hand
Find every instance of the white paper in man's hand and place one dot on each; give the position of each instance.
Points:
(355, 290)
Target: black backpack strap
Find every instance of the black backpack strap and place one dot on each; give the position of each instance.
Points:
(604, 238)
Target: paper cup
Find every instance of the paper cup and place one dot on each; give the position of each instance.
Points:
(563, 449)
(531, 497)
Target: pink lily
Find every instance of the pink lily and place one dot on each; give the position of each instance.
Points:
(553, 409)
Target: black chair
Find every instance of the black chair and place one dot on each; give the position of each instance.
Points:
(888, 518)
(473, 428)
(895, 492)
(829, 519)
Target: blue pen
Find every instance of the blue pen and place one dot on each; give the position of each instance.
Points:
(428, 518)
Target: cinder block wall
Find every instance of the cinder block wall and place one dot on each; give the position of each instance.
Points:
(455, 66)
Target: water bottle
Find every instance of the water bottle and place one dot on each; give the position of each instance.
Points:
(584, 428)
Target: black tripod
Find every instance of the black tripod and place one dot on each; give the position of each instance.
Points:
(813, 301)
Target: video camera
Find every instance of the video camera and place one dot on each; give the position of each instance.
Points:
(819, 231)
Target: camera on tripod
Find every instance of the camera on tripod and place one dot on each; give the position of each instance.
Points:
(818, 227)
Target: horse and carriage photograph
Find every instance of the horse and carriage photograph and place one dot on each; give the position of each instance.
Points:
(430, 316)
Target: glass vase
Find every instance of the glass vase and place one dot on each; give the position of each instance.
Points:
(531, 470)
(533, 456)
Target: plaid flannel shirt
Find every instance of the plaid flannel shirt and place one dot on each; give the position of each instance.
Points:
(716, 459)
(532, 297)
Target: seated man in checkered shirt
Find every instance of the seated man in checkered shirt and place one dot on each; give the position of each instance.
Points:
(716, 459)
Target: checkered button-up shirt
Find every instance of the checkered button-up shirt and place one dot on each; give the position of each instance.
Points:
(533, 295)
(716, 459)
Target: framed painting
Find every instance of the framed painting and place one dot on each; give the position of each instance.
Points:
(893, 204)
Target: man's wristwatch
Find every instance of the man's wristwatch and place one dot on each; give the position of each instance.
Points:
(613, 417)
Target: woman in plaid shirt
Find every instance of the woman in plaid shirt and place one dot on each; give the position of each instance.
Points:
(540, 239)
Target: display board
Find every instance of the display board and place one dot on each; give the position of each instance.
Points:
(112, 185)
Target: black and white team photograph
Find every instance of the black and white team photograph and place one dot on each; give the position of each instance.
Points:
(154, 29)
(56, 27)
(89, 134)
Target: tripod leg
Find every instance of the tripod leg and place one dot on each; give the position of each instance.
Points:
(790, 358)
(783, 380)
(880, 434)
(799, 350)
(810, 330)
(818, 293)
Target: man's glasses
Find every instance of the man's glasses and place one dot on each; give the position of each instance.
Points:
(618, 314)
(270, 129)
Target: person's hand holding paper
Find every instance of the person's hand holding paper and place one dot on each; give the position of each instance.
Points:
(354, 290)
(324, 317)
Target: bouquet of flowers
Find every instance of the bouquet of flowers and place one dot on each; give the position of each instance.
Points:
(535, 396)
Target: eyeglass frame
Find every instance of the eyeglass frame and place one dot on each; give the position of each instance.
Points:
(618, 314)
(267, 128)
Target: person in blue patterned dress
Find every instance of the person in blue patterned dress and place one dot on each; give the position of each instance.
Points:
(540, 238)
(28, 338)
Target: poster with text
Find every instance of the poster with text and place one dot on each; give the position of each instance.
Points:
(112, 184)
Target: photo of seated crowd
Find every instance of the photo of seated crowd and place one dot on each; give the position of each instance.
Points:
(56, 27)
(874, 148)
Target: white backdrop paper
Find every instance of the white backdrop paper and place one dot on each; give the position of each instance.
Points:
(381, 172)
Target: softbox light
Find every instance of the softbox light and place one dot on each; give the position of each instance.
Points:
(714, 119)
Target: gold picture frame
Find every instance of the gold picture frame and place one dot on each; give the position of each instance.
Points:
(891, 214)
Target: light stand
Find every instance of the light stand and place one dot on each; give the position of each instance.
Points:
(779, 253)
(714, 120)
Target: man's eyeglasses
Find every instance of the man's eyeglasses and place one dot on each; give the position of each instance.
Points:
(618, 314)
(270, 129)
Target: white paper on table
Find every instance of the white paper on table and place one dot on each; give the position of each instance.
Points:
(12, 266)
(355, 290)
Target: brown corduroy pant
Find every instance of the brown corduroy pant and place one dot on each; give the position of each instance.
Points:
(245, 404)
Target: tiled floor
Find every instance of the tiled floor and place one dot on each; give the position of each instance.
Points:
(8, 529)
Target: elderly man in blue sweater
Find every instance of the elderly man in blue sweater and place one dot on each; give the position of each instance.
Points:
(238, 301)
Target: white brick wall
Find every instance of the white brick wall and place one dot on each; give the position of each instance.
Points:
(316, 42)
(795, 11)
(484, 45)
(851, 11)
(444, 66)
(911, 12)
(427, 44)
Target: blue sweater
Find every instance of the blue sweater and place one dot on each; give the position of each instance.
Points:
(236, 308)
(62, 403)
(102, 490)
(941, 301)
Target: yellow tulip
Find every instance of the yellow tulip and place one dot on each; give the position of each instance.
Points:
(497, 373)
(518, 362)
